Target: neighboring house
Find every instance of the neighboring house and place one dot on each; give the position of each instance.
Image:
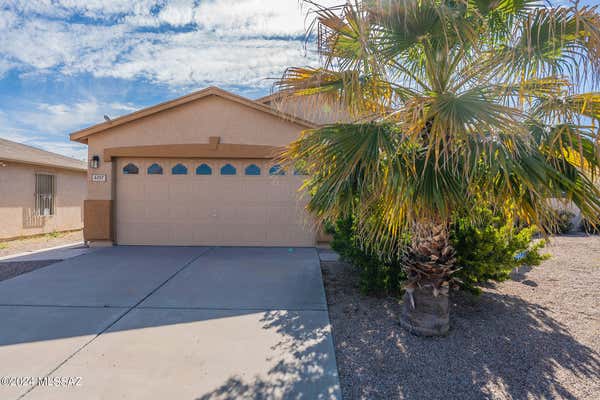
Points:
(40, 192)
(197, 170)
(316, 108)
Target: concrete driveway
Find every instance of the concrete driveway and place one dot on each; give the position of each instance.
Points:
(169, 322)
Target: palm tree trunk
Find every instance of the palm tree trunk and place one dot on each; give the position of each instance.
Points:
(429, 267)
(424, 314)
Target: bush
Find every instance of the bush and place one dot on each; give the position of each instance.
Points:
(487, 250)
(564, 221)
(377, 277)
(491, 248)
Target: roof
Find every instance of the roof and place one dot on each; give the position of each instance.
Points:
(82, 135)
(273, 96)
(21, 153)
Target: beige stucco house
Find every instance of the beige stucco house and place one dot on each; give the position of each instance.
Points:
(40, 191)
(197, 170)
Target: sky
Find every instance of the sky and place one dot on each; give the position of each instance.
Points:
(66, 63)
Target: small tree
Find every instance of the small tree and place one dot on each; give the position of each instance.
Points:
(453, 100)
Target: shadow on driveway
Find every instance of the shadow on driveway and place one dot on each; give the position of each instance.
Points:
(185, 322)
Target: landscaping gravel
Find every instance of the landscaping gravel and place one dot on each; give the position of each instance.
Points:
(534, 337)
(10, 269)
(39, 242)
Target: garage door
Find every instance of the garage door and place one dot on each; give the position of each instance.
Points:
(209, 202)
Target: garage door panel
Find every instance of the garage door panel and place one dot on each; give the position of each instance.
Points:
(155, 212)
(203, 234)
(242, 215)
(131, 210)
(180, 214)
(144, 233)
(212, 209)
(183, 234)
(279, 236)
(181, 189)
(235, 234)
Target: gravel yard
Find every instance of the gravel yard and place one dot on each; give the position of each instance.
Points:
(39, 242)
(536, 336)
(11, 269)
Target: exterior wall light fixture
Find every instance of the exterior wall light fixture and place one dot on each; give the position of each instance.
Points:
(95, 162)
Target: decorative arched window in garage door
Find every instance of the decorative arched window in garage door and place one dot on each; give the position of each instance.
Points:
(155, 169)
(276, 170)
(131, 169)
(203, 169)
(228, 169)
(252, 169)
(179, 169)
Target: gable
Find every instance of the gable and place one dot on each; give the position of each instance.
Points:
(196, 122)
(217, 103)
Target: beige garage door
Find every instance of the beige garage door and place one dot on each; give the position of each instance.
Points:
(209, 202)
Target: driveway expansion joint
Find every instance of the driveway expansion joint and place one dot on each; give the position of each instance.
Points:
(129, 309)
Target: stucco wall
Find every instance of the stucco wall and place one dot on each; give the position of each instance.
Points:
(194, 122)
(17, 201)
(315, 108)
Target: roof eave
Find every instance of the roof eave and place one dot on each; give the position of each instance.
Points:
(42, 164)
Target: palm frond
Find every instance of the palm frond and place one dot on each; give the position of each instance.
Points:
(361, 94)
(553, 41)
(568, 108)
(480, 98)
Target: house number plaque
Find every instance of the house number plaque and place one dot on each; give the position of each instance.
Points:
(98, 177)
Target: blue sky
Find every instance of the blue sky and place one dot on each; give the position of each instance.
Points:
(66, 63)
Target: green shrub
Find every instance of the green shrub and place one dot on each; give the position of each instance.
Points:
(486, 250)
(491, 248)
(377, 277)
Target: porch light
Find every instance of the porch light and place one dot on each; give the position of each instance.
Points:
(95, 162)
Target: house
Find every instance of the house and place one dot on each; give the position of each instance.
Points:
(197, 170)
(317, 108)
(40, 191)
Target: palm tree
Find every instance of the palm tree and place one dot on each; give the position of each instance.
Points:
(452, 102)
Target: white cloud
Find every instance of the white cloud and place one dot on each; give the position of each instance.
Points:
(6, 66)
(88, 8)
(47, 125)
(60, 119)
(197, 58)
(178, 13)
(69, 149)
(179, 43)
(233, 42)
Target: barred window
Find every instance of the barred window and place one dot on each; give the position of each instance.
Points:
(44, 194)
